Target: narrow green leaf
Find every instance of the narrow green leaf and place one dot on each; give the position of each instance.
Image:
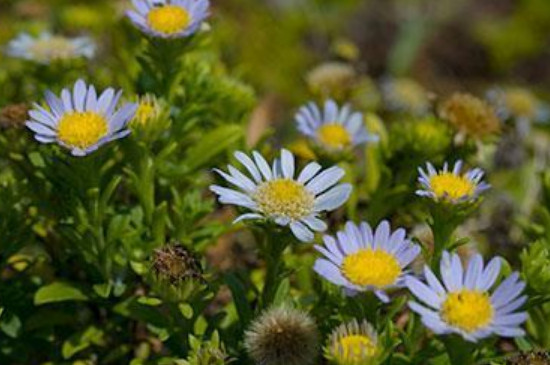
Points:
(283, 292)
(212, 144)
(58, 292)
(239, 296)
(150, 301)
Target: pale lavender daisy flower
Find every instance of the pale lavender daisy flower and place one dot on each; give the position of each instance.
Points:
(79, 120)
(359, 259)
(333, 128)
(463, 303)
(451, 186)
(277, 194)
(519, 103)
(47, 48)
(169, 18)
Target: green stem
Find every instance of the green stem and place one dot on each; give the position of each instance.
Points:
(443, 227)
(460, 352)
(273, 248)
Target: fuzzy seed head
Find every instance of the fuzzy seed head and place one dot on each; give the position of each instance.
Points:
(282, 336)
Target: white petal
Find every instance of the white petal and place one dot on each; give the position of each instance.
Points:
(325, 180)
(246, 216)
(333, 198)
(308, 172)
(315, 223)
(287, 164)
(249, 165)
(301, 232)
(262, 165)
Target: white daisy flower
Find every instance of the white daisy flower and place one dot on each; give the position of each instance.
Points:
(451, 186)
(47, 48)
(80, 120)
(276, 194)
(359, 259)
(463, 303)
(169, 18)
(333, 128)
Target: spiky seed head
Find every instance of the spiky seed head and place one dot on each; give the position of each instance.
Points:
(283, 336)
(175, 263)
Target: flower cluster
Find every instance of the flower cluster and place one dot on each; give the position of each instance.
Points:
(370, 243)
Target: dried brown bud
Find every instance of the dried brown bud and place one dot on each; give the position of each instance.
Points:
(530, 358)
(175, 263)
(470, 115)
(14, 115)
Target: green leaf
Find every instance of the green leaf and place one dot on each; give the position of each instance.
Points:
(238, 291)
(283, 292)
(150, 301)
(81, 341)
(103, 290)
(212, 144)
(58, 292)
(523, 344)
(186, 310)
(10, 324)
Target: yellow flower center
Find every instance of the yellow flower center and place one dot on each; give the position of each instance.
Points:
(168, 19)
(54, 48)
(284, 198)
(354, 349)
(144, 112)
(449, 185)
(334, 136)
(468, 310)
(521, 103)
(368, 267)
(81, 130)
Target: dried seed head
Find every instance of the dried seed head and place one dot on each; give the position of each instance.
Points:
(470, 115)
(530, 358)
(175, 263)
(13, 116)
(283, 336)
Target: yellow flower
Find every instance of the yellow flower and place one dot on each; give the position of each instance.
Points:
(353, 343)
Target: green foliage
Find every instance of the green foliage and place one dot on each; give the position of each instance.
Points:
(81, 279)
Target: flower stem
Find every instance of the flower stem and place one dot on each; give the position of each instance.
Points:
(460, 352)
(443, 227)
(273, 248)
